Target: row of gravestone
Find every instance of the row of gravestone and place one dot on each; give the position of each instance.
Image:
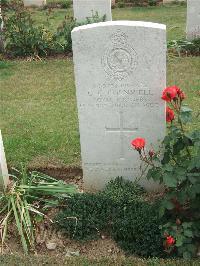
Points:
(120, 72)
(84, 8)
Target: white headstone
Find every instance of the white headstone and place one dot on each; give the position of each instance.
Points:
(85, 8)
(193, 19)
(1, 31)
(120, 72)
(172, 1)
(37, 3)
(4, 178)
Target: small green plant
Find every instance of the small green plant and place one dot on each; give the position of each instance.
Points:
(184, 47)
(65, 4)
(152, 2)
(136, 229)
(17, 202)
(63, 33)
(120, 4)
(121, 211)
(179, 170)
(85, 216)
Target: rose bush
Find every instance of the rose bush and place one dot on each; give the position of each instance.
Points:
(179, 170)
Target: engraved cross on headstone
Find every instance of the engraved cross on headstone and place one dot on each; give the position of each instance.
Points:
(121, 129)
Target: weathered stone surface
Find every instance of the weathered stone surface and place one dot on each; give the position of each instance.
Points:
(1, 32)
(85, 8)
(4, 178)
(193, 19)
(34, 3)
(171, 1)
(120, 72)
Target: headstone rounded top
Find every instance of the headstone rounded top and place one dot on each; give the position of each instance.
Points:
(122, 23)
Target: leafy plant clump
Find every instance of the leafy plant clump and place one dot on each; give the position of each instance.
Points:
(63, 34)
(119, 211)
(20, 201)
(136, 229)
(178, 169)
(23, 37)
(184, 47)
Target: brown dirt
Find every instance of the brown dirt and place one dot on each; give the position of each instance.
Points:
(46, 233)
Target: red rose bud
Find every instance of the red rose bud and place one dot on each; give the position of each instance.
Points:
(165, 234)
(178, 90)
(138, 143)
(151, 153)
(182, 95)
(169, 114)
(170, 241)
(169, 93)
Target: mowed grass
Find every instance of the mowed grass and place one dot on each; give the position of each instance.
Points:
(38, 104)
(38, 112)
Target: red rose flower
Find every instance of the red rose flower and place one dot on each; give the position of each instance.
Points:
(138, 143)
(169, 115)
(169, 93)
(170, 241)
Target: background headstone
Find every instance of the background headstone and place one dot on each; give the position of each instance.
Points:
(37, 3)
(1, 31)
(193, 19)
(171, 1)
(85, 8)
(4, 178)
(120, 72)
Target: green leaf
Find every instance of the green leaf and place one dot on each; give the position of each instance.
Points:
(168, 205)
(161, 211)
(188, 233)
(178, 146)
(187, 255)
(185, 114)
(179, 241)
(169, 180)
(166, 157)
(194, 136)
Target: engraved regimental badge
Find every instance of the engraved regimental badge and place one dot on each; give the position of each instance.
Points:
(120, 59)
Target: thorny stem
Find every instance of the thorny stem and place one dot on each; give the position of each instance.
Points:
(137, 179)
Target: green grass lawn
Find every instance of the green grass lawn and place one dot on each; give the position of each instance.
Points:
(174, 16)
(38, 105)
